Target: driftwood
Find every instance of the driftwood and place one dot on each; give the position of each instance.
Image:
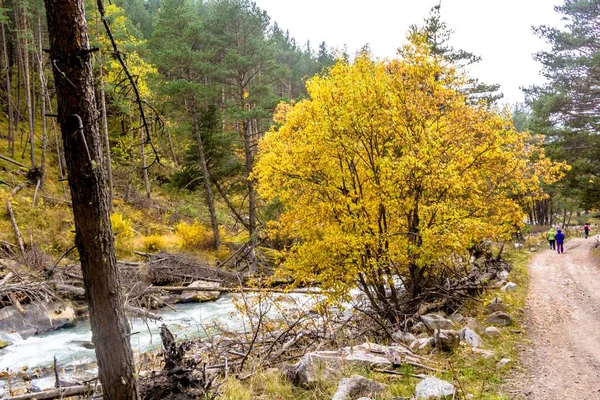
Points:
(15, 227)
(58, 393)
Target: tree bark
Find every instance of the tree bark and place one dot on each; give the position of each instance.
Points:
(248, 143)
(25, 61)
(9, 112)
(206, 177)
(70, 55)
(42, 101)
(143, 161)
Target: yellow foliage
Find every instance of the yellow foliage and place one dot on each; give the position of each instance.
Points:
(195, 236)
(386, 170)
(123, 232)
(153, 243)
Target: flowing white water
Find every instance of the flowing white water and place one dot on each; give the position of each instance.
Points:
(187, 322)
(67, 344)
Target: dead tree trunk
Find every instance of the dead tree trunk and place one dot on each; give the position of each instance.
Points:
(144, 168)
(106, 135)
(42, 100)
(28, 101)
(9, 112)
(70, 54)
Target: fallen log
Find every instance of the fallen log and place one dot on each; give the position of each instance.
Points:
(58, 393)
(10, 160)
(153, 289)
(15, 227)
(140, 312)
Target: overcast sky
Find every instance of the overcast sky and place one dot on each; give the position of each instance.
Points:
(498, 31)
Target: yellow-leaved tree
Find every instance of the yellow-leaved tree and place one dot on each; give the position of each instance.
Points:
(386, 174)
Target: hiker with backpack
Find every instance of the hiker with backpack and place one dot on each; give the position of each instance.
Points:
(586, 230)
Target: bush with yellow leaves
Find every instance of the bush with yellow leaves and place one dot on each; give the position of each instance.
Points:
(194, 236)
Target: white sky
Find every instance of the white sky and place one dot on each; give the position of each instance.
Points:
(498, 31)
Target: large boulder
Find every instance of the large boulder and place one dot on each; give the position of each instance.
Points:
(307, 371)
(37, 318)
(357, 386)
(434, 388)
(200, 296)
(435, 322)
(499, 318)
(471, 337)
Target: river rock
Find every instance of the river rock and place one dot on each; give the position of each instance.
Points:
(471, 337)
(494, 305)
(499, 318)
(200, 296)
(435, 321)
(357, 386)
(509, 287)
(38, 317)
(493, 332)
(434, 388)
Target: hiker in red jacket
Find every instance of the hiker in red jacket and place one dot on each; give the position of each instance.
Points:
(586, 230)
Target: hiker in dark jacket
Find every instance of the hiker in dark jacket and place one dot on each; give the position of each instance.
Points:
(586, 230)
(560, 239)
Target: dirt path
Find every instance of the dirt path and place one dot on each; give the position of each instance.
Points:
(563, 322)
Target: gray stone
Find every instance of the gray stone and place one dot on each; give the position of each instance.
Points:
(357, 386)
(417, 328)
(533, 249)
(494, 305)
(499, 318)
(483, 353)
(422, 344)
(434, 388)
(471, 337)
(446, 339)
(503, 363)
(403, 337)
(200, 296)
(493, 332)
(434, 322)
(502, 275)
(457, 318)
(509, 287)
(38, 317)
(327, 363)
(474, 325)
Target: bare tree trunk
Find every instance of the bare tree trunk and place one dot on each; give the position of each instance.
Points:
(28, 100)
(106, 135)
(205, 176)
(42, 100)
(143, 161)
(172, 148)
(70, 55)
(9, 111)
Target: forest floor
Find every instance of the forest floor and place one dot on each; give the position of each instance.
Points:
(562, 360)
